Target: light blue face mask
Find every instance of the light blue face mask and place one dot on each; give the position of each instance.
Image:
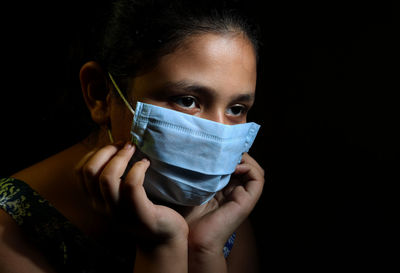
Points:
(191, 158)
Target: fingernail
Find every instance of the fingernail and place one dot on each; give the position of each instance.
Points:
(145, 160)
(128, 146)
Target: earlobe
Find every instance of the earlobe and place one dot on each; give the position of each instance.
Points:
(95, 92)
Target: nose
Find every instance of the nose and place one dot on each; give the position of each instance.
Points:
(217, 115)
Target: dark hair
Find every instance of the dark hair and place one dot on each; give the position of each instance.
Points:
(139, 32)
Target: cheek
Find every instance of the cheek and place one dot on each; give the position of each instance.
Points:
(120, 123)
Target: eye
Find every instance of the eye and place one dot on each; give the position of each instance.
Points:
(185, 101)
(236, 110)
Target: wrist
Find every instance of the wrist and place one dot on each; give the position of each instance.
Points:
(206, 260)
(204, 245)
(171, 256)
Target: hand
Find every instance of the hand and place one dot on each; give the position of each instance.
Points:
(212, 224)
(125, 199)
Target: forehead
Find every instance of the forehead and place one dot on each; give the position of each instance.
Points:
(226, 63)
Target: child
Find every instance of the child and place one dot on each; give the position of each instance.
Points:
(165, 184)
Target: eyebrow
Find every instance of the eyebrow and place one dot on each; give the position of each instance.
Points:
(199, 89)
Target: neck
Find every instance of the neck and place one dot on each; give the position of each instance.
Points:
(97, 139)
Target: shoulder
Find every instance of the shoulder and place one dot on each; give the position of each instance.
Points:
(243, 256)
(16, 253)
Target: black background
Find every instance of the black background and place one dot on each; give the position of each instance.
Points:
(326, 100)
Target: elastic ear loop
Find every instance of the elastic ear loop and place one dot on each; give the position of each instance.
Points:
(110, 135)
(125, 101)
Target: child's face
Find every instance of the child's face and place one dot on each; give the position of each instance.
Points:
(211, 76)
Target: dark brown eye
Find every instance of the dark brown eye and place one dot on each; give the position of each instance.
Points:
(235, 110)
(185, 102)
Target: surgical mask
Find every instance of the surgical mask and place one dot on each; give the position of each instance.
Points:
(191, 158)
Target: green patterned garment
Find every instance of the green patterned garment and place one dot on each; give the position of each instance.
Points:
(63, 244)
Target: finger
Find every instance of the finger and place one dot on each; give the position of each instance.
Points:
(240, 203)
(233, 183)
(229, 214)
(246, 162)
(249, 171)
(253, 180)
(110, 177)
(246, 158)
(245, 187)
(133, 192)
(92, 170)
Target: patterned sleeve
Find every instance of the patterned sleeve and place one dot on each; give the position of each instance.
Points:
(63, 244)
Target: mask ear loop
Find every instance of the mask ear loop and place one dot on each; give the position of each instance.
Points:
(110, 135)
(124, 100)
(120, 94)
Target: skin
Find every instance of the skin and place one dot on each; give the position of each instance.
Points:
(212, 76)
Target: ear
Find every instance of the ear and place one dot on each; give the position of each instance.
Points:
(95, 91)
